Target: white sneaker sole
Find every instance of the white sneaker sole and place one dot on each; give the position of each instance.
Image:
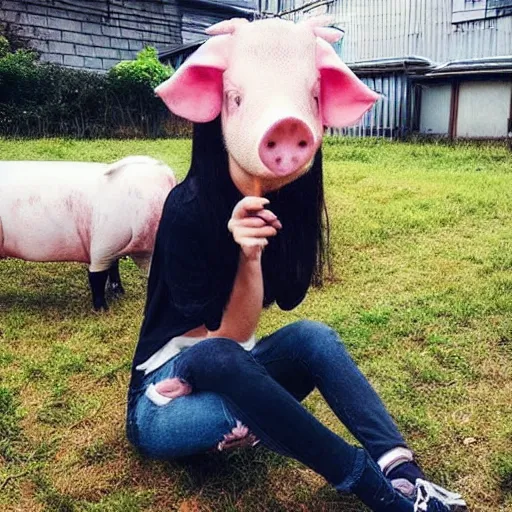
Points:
(427, 490)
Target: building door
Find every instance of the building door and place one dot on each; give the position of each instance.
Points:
(435, 109)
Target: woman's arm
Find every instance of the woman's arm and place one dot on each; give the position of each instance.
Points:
(242, 313)
(251, 224)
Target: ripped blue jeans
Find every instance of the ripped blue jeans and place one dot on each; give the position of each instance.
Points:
(263, 389)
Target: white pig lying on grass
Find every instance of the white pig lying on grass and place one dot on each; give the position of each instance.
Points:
(86, 212)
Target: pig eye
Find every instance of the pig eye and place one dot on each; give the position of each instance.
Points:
(237, 99)
(317, 102)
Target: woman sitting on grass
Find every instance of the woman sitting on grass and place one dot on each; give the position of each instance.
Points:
(220, 257)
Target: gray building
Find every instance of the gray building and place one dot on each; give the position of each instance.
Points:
(464, 87)
(444, 67)
(96, 34)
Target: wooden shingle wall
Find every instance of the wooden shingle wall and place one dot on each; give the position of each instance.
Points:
(93, 34)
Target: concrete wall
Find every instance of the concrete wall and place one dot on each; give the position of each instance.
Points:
(93, 34)
(484, 109)
(481, 108)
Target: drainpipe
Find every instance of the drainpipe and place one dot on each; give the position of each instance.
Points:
(510, 125)
(454, 110)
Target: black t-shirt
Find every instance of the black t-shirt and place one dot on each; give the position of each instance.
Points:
(192, 269)
(194, 265)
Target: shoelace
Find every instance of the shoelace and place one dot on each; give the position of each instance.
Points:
(447, 501)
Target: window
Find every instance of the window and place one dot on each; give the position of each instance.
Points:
(472, 10)
(499, 4)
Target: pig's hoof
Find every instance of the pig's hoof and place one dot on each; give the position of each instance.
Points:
(116, 289)
(100, 307)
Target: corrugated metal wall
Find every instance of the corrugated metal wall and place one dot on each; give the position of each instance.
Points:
(392, 115)
(399, 28)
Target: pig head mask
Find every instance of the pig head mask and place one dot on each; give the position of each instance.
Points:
(276, 85)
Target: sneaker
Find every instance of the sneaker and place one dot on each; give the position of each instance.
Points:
(433, 498)
(404, 487)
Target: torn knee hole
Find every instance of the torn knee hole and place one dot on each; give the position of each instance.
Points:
(240, 436)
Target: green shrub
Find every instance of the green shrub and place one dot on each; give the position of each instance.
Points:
(39, 100)
(4, 46)
(145, 69)
(17, 73)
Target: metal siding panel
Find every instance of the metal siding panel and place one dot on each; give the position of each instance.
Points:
(387, 110)
(375, 112)
(399, 28)
(400, 95)
(382, 103)
(389, 117)
(390, 105)
(377, 109)
(393, 104)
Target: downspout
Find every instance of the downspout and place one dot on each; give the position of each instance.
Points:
(510, 122)
(454, 110)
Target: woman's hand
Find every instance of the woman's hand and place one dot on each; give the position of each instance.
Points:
(251, 225)
(173, 388)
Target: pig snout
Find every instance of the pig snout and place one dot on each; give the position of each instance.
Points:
(287, 146)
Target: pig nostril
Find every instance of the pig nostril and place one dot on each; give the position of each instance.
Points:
(286, 146)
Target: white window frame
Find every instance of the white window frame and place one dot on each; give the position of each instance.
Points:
(469, 10)
(473, 10)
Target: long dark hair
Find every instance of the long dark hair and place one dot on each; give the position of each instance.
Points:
(299, 255)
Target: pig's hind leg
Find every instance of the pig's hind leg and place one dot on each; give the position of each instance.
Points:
(97, 282)
(106, 245)
(114, 280)
(99, 270)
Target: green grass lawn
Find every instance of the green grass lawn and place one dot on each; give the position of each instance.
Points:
(422, 296)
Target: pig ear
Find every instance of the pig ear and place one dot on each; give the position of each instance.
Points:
(343, 97)
(331, 35)
(226, 26)
(321, 20)
(195, 90)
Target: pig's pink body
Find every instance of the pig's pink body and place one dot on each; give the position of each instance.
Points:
(85, 212)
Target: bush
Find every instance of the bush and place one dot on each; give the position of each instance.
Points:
(39, 100)
(145, 69)
(4, 46)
